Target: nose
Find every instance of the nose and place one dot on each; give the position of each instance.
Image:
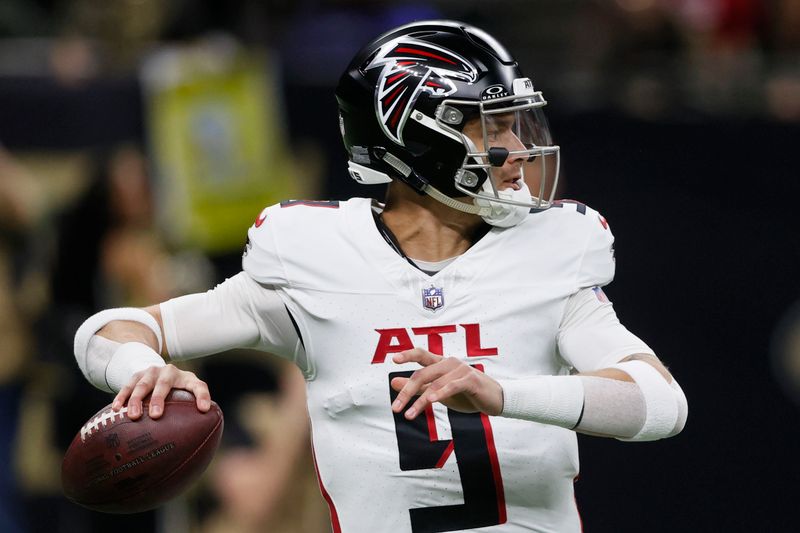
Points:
(516, 145)
(500, 155)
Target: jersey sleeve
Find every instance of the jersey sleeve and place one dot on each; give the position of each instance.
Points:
(591, 336)
(261, 259)
(238, 313)
(597, 263)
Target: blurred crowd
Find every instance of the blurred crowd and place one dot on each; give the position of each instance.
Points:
(124, 205)
(94, 244)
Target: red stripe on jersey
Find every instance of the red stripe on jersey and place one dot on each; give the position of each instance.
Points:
(334, 515)
(262, 216)
(424, 53)
(431, 419)
(498, 478)
(445, 454)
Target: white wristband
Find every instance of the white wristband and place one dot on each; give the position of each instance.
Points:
(555, 400)
(96, 322)
(128, 359)
(94, 357)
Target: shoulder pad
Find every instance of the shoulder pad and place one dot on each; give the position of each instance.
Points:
(277, 231)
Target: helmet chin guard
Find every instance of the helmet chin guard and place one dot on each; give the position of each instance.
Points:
(503, 215)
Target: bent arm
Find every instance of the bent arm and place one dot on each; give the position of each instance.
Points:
(125, 350)
(630, 401)
(621, 389)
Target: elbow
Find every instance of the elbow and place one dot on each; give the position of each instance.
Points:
(666, 406)
(670, 418)
(683, 409)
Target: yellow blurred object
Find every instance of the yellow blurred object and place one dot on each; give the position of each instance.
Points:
(217, 143)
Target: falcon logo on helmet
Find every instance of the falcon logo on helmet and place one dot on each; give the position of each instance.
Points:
(411, 66)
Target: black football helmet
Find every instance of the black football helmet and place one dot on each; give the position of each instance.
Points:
(405, 99)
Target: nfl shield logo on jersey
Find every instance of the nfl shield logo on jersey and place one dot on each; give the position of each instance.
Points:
(432, 298)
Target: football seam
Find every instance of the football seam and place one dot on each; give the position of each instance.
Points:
(169, 476)
(103, 417)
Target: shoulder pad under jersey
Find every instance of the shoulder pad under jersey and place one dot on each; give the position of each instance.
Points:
(290, 226)
(597, 261)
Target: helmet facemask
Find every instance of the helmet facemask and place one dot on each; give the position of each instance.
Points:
(506, 139)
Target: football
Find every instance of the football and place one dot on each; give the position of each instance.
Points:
(117, 465)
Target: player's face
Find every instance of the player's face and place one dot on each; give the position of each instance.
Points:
(502, 132)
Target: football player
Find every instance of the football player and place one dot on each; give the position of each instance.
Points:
(454, 338)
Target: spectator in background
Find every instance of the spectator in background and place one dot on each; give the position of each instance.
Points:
(100, 240)
(109, 253)
(21, 206)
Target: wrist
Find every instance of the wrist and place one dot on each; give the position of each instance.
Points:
(94, 353)
(128, 359)
(555, 400)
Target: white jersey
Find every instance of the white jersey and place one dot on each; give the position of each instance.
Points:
(500, 306)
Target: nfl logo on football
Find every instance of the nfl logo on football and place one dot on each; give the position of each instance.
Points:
(432, 298)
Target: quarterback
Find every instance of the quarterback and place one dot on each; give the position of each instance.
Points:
(453, 338)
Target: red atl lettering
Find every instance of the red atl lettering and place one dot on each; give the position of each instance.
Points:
(434, 334)
(394, 340)
(474, 348)
(386, 346)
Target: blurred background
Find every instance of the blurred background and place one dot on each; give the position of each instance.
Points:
(140, 138)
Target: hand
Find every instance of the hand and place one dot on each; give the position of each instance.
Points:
(447, 380)
(160, 380)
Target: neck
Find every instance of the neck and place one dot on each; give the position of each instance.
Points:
(426, 229)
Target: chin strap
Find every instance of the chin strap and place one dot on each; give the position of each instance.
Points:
(472, 209)
(494, 213)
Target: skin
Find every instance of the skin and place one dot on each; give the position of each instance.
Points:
(426, 230)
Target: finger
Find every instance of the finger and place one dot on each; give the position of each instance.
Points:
(143, 387)
(450, 384)
(419, 379)
(418, 382)
(200, 390)
(399, 386)
(447, 390)
(410, 389)
(417, 355)
(398, 383)
(433, 392)
(123, 394)
(474, 392)
(164, 383)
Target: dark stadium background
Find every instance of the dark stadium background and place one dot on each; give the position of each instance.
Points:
(698, 180)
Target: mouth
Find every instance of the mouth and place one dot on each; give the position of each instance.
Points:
(512, 184)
